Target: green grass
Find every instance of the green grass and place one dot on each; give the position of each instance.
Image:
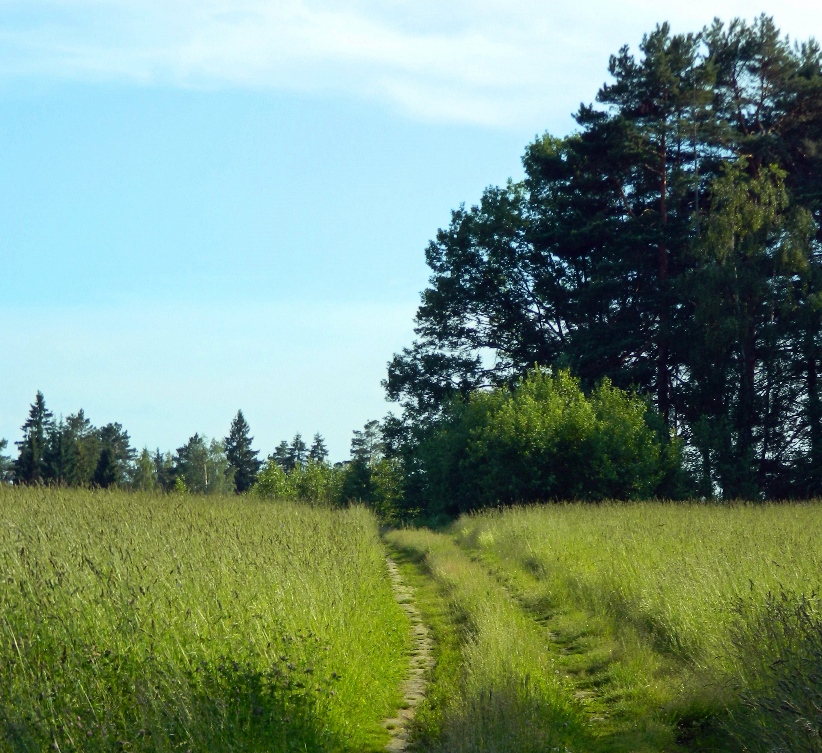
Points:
(145, 623)
(696, 610)
(504, 691)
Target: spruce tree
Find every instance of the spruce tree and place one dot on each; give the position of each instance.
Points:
(298, 451)
(61, 456)
(241, 458)
(164, 470)
(30, 465)
(283, 456)
(86, 438)
(318, 452)
(107, 472)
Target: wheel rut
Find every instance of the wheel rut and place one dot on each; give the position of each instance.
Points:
(421, 662)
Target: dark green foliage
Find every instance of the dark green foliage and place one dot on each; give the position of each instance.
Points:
(318, 451)
(116, 457)
(107, 472)
(30, 467)
(164, 470)
(544, 440)
(282, 456)
(241, 458)
(357, 484)
(61, 456)
(671, 245)
(87, 440)
(298, 451)
(367, 444)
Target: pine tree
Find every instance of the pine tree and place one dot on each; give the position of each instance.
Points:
(114, 465)
(61, 455)
(30, 465)
(367, 445)
(318, 452)
(241, 458)
(298, 451)
(107, 472)
(283, 456)
(86, 438)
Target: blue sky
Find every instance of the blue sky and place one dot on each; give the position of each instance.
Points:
(210, 205)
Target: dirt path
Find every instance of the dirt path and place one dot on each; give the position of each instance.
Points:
(413, 688)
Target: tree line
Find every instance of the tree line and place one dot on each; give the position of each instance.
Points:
(73, 452)
(671, 245)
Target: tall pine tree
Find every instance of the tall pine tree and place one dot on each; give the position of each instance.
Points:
(30, 467)
(240, 456)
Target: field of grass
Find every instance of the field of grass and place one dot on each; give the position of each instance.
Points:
(147, 623)
(709, 612)
(176, 623)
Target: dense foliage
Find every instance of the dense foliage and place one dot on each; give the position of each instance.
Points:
(544, 440)
(671, 244)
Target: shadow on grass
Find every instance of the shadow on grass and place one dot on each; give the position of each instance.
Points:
(215, 706)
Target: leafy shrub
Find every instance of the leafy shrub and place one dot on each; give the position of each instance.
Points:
(377, 484)
(309, 482)
(544, 440)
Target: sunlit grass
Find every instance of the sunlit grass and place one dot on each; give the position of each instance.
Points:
(139, 622)
(695, 599)
(505, 694)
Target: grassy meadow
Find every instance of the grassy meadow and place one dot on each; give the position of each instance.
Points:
(704, 617)
(177, 623)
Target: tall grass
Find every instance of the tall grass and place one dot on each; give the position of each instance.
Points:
(145, 623)
(507, 694)
(717, 588)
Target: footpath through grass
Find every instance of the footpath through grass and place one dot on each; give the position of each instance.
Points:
(702, 619)
(494, 688)
(143, 623)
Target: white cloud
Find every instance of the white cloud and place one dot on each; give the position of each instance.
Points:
(512, 63)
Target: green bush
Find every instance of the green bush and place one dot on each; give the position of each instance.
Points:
(310, 482)
(544, 440)
(377, 484)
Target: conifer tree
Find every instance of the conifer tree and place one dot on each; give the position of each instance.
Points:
(107, 472)
(298, 451)
(283, 456)
(30, 465)
(318, 452)
(164, 470)
(241, 458)
(86, 438)
(61, 455)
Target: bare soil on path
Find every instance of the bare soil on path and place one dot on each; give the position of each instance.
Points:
(421, 662)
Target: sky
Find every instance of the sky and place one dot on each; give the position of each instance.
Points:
(208, 205)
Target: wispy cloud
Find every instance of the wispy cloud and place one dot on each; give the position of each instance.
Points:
(496, 63)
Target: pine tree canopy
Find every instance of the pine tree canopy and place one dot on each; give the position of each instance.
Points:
(671, 244)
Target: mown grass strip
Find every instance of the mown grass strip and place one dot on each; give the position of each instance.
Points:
(495, 688)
